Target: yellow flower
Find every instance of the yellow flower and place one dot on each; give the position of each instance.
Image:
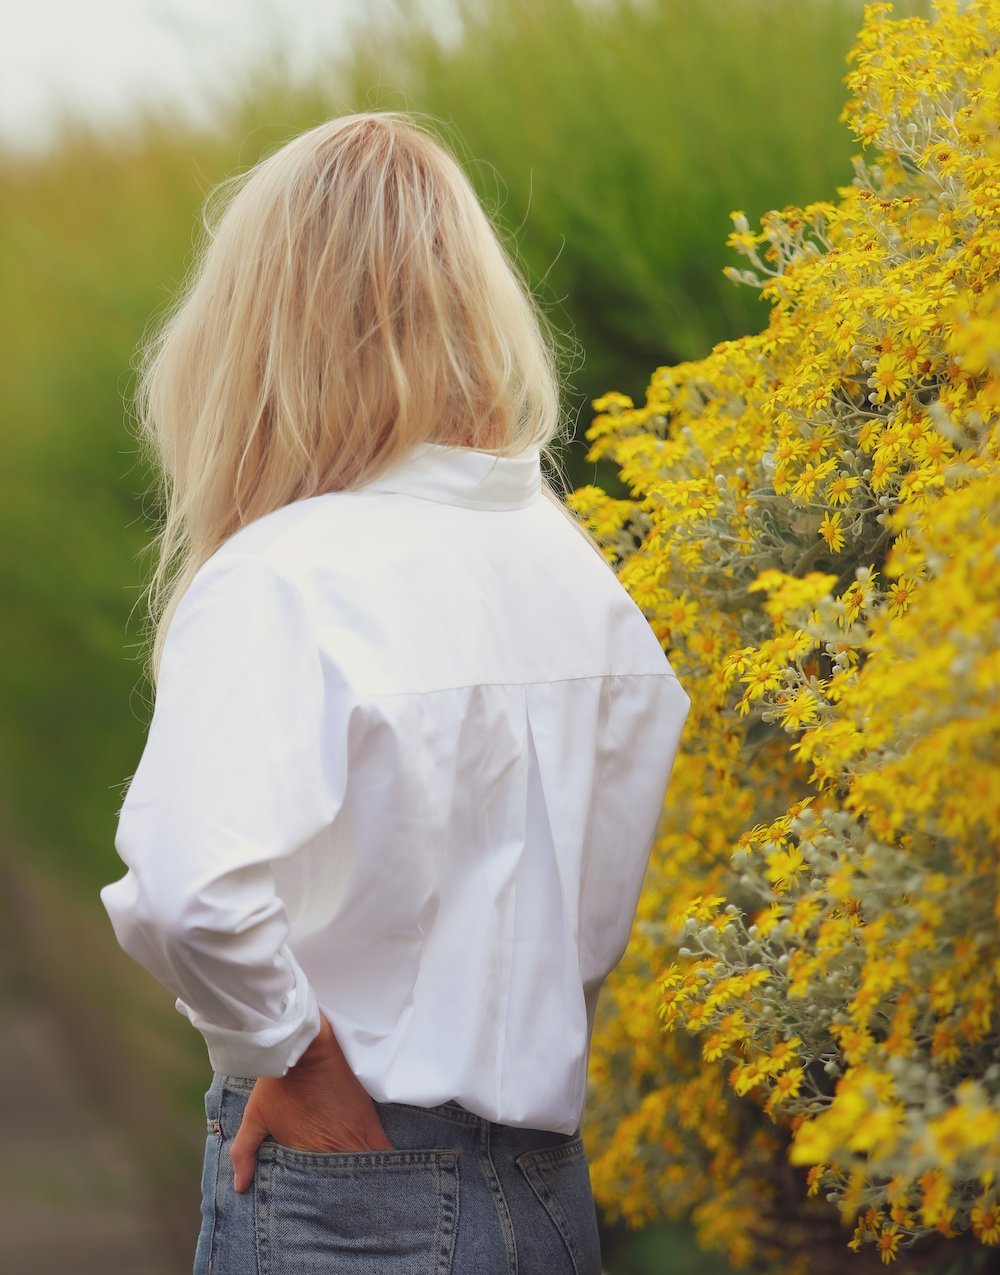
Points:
(613, 402)
(680, 614)
(813, 1142)
(704, 907)
(762, 677)
(800, 710)
(884, 468)
(856, 597)
(985, 1219)
(889, 378)
(810, 476)
(782, 1054)
(803, 915)
(887, 1243)
(956, 1132)
(787, 593)
(788, 1084)
(801, 970)
(944, 1046)
(747, 1076)
(900, 593)
(856, 1043)
(877, 1130)
(934, 1191)
(783, 866)
(890, 304)
(832, 532)
(839, 489)
(714, 1047)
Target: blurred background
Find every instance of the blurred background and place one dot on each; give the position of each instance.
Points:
(610, 139)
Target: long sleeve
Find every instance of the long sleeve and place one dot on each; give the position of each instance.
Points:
(238, 772)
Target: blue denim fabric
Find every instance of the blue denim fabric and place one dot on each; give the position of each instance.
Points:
(458, 1196)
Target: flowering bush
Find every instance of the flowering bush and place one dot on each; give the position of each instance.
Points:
(813, 530)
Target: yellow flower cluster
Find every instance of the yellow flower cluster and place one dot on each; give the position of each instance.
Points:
(813, 531)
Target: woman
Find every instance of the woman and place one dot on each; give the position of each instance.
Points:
(410, 737)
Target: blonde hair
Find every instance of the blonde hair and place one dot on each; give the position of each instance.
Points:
(352, 300)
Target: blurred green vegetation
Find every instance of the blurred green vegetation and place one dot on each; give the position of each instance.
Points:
(610, 139)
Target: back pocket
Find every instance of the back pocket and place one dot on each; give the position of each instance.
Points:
(560, 1179)
(382, 1212)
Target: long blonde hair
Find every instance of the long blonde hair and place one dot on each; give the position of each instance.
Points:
(351, 301)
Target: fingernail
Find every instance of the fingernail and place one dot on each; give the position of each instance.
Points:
(236, 1182)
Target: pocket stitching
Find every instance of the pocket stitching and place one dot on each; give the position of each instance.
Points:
(553, 1155)
(530, 1164)
(239, 1084)
(443, 1161)
(449, 1195)
(397, 1159)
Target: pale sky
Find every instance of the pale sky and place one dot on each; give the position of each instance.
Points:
(96, 58)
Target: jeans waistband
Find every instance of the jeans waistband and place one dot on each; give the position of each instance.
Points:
(446, 1110)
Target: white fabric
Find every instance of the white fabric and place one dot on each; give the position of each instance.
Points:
(408, 750)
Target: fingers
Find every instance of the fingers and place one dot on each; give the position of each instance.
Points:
(243, 1152)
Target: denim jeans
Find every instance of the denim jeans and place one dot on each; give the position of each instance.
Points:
(458, 1196)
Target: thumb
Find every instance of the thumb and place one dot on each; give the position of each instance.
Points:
(243, 1152)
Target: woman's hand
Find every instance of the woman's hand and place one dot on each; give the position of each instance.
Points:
(318, 1105)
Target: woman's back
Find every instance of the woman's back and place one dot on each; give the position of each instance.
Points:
(430, 708)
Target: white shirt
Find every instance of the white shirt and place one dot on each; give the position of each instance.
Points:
(409, 747)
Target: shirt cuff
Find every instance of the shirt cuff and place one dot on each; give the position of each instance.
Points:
(268, 1051)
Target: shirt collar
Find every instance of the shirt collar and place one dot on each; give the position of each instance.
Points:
(463, 476)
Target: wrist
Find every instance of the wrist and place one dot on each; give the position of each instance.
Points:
(322, 1048)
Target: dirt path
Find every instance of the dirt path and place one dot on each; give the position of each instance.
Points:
(70, 1198)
